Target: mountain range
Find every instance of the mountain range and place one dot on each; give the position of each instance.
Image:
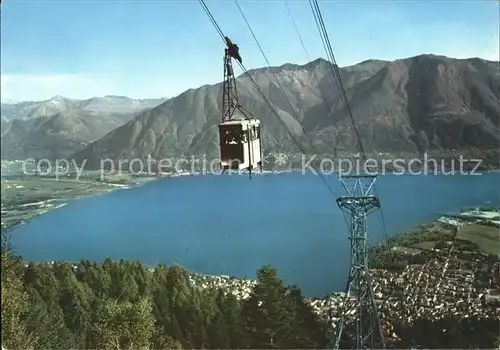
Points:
(423, 103)
(61, 126)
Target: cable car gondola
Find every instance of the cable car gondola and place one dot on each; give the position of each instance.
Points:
(239, 131)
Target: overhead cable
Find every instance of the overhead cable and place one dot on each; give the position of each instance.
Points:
(263, 96)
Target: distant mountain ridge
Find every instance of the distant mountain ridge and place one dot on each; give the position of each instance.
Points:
(61, 126)
(410, 105)
(32, 109)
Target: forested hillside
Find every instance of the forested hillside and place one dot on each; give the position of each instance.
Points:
(126, 305)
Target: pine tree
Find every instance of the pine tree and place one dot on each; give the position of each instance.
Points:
(14, 299)
(268, 313)
(125, 325)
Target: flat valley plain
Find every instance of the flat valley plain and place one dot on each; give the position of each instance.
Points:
(26, 197)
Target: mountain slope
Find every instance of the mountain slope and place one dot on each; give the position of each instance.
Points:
(412, 105)
(95, 105)
(57, 135)
(188, 123)
(60, 126)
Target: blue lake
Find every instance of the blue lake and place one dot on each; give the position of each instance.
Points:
(232, 225)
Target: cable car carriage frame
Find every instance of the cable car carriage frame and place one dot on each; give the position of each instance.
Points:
(239, 131)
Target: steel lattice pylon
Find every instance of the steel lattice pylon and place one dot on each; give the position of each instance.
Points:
(359, 309)
(229, 94)
(230, 101)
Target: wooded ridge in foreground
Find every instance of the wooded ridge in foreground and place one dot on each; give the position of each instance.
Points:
(126, 305)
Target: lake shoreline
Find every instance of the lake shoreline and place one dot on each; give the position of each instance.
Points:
(29, 208)
(127, 181)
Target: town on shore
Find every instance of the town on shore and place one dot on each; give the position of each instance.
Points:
(438, 269)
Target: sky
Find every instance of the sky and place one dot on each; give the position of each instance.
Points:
(149, 49)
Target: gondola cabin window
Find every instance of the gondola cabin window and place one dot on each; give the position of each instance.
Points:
(233, 135)
(240, 144)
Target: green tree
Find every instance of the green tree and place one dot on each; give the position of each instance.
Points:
(14, 300)
(310, 330)
(125, 325)
(48, 324)
(161, 340)
(268, 314)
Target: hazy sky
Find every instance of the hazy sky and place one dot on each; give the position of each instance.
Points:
(81, 49)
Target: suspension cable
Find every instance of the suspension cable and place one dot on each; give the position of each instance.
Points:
(335, 70)
(263, 96)
(277, 81)
(326, 42)
(275, 76)
(336, 73)
(214, 22)
(323, 94)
